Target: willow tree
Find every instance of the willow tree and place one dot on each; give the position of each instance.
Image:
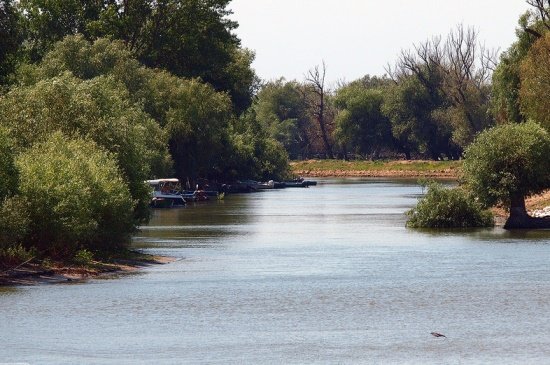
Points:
(506, 164)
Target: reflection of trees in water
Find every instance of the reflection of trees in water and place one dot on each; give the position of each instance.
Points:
(200, 221)
(489, 235)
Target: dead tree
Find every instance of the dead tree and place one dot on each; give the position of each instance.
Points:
(317, 104)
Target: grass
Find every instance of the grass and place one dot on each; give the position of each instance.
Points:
(372, 168)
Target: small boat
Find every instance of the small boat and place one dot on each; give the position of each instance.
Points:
(166, 193)
(266, 185)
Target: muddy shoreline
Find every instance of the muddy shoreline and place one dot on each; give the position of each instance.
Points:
(36, 274)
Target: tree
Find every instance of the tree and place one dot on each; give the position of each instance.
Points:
(508, 163)
(98, 109)
(11, 37)
(8, 172)
(455, 74)
(535, 82)
(416, 127)
(188, 38)
(253, 153)
(360, 124)
(281, 109)
(318, 104)
(506, 78)
(77, 194)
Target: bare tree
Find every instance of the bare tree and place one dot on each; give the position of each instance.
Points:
(542, 12)
(317, 104)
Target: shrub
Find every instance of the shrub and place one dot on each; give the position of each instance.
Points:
(14, 221)
(15, 255)
(448, 208)
(83, 257)
(77, 195)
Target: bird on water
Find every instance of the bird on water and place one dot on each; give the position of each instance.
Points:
(437, 334)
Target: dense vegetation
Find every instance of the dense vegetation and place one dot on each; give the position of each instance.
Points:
(96, 97)
(448, 208)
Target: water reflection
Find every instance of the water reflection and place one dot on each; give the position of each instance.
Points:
(327, 274)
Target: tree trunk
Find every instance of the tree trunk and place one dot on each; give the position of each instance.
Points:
(519, 219)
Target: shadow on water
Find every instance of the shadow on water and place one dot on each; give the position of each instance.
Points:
(496, 234)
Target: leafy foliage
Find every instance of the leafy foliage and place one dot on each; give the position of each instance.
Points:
(11, 37)
(77, 195)
(360, 124)
(508, 160)
(190, 39)
(535, 82)
(506, 78)
(253, 152)
(448, 208)
(8, 171)
(98, 109)
(281, 110)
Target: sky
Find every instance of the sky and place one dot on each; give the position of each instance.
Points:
(359, 37)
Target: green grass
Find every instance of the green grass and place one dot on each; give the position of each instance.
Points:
(340, 165)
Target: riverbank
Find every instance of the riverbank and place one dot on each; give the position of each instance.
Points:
(59, 272)
(536, 205)
(399, 168)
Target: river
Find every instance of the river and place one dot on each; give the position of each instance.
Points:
(327, 274)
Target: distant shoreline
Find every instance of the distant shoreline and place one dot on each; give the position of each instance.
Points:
(397, 169)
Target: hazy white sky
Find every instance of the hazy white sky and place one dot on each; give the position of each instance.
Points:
(359, 37)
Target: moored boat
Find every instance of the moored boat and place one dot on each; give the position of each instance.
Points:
(166, 193)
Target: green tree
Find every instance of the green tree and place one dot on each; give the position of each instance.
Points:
(506, 78)
(47, 22)
(535, 82)
(281, 109)
(188, 38)
(8, 171)
(416, 125)
(77, 195)
(361, 125)
(253, 153)
(11, 37)
(98, 109)
(508, 163)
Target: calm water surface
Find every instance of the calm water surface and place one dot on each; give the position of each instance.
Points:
(327, 274)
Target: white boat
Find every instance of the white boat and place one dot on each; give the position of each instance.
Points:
(166, 193)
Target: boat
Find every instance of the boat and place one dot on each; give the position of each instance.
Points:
(266, 185)
(166, 193)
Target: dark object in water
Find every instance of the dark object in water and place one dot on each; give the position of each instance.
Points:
(437, 334)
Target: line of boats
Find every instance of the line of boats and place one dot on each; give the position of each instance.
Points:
(169, 192)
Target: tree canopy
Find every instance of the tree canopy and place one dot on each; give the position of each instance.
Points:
(507, 163)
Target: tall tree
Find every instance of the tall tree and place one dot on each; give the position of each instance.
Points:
(188, 38)
(361, 126)
(535, 82)
(11, 37)
(317, 99)
(506, 78)
(281, 109)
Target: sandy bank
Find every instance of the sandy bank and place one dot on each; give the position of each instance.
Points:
(33, 274)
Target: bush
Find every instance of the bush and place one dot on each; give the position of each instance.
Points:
(14, 221)
(83, 257)
(15, 255)
(448, 208)
(77, 195)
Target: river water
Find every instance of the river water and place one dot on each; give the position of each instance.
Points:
(323, 275)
